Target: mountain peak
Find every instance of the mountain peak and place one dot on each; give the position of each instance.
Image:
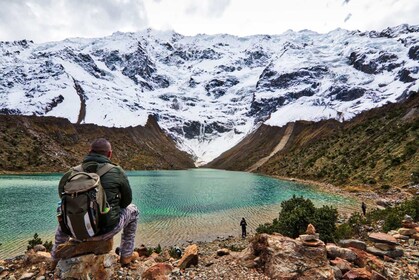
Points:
(209, 91)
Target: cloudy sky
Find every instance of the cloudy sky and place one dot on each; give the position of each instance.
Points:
(51, 20)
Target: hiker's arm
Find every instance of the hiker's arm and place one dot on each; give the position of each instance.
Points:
(126, 193)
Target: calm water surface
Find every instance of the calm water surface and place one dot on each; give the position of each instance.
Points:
(175, 206)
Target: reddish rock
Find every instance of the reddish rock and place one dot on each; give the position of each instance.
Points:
(334, 252)
(86, 267)
(342, 264)
(281, 257)
(160, 271)
(346, 243)
(382, 238)
(364, 259)
(407, 231)
(190, 257)
(311, 230)
(74, 248)
(384, 246)
(314, 243)
(401, 237)
(34, 258)
(357, 274)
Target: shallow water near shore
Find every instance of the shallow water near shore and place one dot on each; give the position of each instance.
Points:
(175, 206)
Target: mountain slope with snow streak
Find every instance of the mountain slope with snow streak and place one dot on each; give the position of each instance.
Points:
(209, 92)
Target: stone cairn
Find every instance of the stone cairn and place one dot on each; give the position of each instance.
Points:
(409, 231)
(311, 238)
(384, 245)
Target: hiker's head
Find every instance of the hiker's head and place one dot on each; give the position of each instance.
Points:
(101, 146)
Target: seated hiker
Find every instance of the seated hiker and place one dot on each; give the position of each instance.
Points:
(112, 199)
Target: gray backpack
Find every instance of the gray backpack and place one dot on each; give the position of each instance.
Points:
(83, 202)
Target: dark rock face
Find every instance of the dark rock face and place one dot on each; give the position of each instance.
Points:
(194, 129)
(193, 54)
(347, 94)
(263, 108)
(218, 87)
(414, 52)
(54, 103)
(404, 74)
(392, 32)
(359, 61)
(384, 62)
(269, 79)
(86, 62)
(6, 111)
(256, 58)
(112, 60)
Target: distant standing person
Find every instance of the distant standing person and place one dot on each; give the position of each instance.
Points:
(364, 208)
(243, 224)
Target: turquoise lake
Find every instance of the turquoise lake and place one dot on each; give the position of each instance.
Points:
(175, 206)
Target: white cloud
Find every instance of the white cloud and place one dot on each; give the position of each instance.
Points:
(46, 20)
(42, 20)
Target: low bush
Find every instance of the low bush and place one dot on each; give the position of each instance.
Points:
(296, 213)
(38, 241)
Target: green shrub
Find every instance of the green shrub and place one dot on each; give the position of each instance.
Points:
(344, 231)
(296, 213)
(37, 241)
(325, 222)
(392, 221)
(33, 242)
(157, 249)
(392, 216)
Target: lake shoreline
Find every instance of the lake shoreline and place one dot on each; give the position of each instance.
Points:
(358, 193)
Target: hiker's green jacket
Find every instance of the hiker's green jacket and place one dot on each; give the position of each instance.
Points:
(115, 184)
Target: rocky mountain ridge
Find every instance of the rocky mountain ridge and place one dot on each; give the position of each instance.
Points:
(209, 92)
(377, 148)
(49, 144)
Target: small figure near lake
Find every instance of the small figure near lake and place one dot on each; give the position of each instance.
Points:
(364, 208)
(118, 213)
(243, 224)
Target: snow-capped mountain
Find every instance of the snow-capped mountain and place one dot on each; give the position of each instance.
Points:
(208, 92)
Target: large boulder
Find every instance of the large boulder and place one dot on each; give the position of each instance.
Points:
(364, 259)
(74, 248)
(354, 243)
(343, 265)
(86, 267)
(380, 237)
(334, 252)
(190, 257)
(160, 271)
(407, 231)
(282, 257)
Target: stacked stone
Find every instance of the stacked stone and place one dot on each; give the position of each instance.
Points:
(409, 229)
(311, 238)
(408, 232)
(384, 245)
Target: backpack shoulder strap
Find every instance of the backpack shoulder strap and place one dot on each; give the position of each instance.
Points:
(78, 168)
(104, 169)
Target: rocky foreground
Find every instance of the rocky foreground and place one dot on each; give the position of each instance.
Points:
(383, 256)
